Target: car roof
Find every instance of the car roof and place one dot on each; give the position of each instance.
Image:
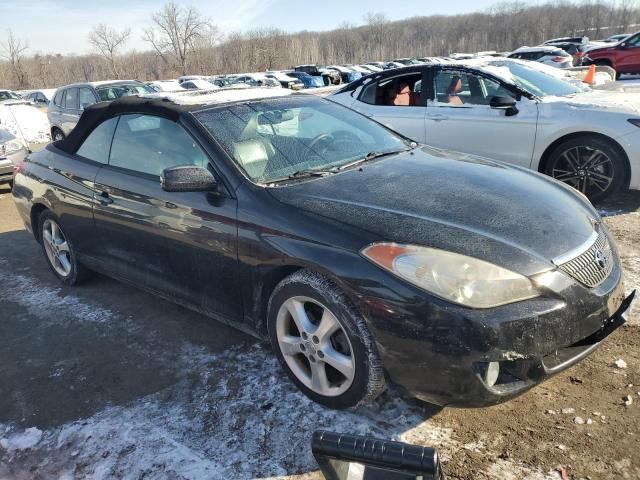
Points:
(101, 83)
(539, 48)
(567, 40)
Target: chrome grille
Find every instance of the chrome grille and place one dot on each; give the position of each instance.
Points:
(594, 265)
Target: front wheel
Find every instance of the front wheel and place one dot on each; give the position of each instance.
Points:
(57, 135)
(323, 343)
(594, 166)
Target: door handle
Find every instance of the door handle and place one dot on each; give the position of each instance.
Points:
(105, 199)
(437, 117)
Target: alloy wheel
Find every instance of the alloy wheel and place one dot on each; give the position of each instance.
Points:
(56, 247)
(315, 346)
(586, 169)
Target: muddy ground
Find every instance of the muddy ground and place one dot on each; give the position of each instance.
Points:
(104, 381)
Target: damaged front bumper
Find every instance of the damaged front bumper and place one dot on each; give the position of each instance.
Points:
(450, 355)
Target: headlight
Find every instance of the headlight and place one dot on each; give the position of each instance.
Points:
(13, 146)
(457, 278)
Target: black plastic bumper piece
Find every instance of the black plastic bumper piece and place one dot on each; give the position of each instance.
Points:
(380, 459)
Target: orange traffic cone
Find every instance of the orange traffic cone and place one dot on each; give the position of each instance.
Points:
(590, 77)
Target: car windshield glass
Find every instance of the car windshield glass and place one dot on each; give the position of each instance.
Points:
(539, 83)
(111, 92)
(274, 139)
(8, 95)
(5, 136)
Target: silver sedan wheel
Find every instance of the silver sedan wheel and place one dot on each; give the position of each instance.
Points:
(586, 169)
(56, 247)
(58, 136)
(315, 346)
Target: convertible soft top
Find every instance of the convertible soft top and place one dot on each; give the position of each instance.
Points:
(170, 106)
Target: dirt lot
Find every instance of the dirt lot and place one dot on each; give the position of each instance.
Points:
(104, 381)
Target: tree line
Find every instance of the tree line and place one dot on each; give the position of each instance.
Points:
(182, 41)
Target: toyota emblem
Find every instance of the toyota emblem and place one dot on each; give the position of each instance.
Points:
(600, 259)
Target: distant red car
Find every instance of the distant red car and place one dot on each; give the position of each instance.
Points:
(623, 56)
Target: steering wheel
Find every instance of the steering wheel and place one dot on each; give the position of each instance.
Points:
(323, 138)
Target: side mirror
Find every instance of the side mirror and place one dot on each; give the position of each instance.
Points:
(352, 457)
(187, 178)
(507, 104)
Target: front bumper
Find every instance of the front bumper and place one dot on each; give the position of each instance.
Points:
(631, 145)
(441, 353)
(7, 163)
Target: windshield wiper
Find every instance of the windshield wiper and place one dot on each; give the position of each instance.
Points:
(310, 173)
(371, 156)
(303, 174)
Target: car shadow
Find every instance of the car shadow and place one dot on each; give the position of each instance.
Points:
(619, 203)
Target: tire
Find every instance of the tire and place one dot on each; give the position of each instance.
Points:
(69, 272)
(57, 134)
(593, 165)
(333, 332)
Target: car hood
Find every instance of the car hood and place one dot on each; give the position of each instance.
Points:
(462, 203)
(25, 122)
(612, 101)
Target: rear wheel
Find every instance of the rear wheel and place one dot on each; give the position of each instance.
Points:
(57, 134)
(58, 250)
(323, 343)
(594, 166)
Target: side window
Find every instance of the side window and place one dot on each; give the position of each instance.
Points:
(96, 146)
(57, 100)
(399, 91)
(494, 89)
(149, 144)
(462, 89)
(71, 99)
(86, 97)
(633, 41)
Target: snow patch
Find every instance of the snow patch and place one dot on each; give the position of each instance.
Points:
(45, 301)
(505, 470)
(22, 441)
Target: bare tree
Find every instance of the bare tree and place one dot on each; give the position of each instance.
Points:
(108, 41)
(176, 33)
(13, 52)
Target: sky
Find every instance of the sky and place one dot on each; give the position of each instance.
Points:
(62, 26)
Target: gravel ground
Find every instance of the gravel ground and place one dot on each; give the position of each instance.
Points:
(104, 381)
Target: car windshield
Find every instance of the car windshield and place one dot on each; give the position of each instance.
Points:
(8, 95)
(5, 135)
(539, 83)
(112, 92)
(274, 139)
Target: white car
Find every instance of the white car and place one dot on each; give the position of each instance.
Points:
(518, 112)
(198, 84)
(27, 123)
(165, 85)
(545, 54)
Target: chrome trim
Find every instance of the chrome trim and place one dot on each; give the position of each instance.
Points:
(577, 251)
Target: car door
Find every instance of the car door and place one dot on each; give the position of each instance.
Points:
(75, 193)
(459, 117)
(380, 101)
(179, 244)
(629, 55)
(70, 110)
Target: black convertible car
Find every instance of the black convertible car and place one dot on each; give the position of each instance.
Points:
(357, 252)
